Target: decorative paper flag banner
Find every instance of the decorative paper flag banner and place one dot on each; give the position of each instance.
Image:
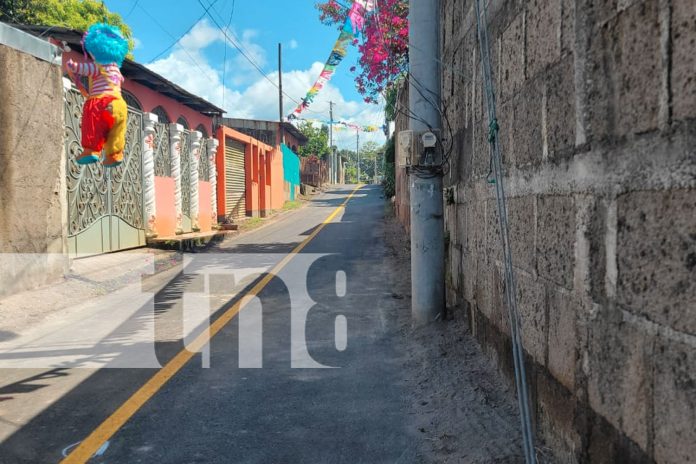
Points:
(343, 125)
(355, 23)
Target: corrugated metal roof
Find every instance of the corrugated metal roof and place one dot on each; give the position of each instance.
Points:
(131, 70)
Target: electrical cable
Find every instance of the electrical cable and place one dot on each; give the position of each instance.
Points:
(418, 85)
(242, 51)
(130, 12)
(172, 36)
(510, 281)
(181, 36)
(224, 60)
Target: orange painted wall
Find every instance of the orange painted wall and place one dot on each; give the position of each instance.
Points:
(204, 218)
(264, 174)
(165, 223)
(278, 195)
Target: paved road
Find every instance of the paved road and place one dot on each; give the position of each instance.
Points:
(353, 412)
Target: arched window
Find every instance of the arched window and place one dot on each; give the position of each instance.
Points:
(161, 115)
(182, 120)
(202, 130)
(131, 100)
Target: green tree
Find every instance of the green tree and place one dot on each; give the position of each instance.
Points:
(73, 14)
(368, 153)
(318, 140)
(389, 181)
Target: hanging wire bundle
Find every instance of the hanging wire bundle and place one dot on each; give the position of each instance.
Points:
(510, 282)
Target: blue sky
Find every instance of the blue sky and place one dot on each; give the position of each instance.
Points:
(197, 60)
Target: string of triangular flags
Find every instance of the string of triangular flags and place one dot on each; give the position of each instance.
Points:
(342, 125)
(354, 25)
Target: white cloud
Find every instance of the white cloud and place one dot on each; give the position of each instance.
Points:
(244, 71)
(137, 44)
(293, 44)
(250, 95)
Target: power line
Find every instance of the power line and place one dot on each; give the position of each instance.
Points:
(182, 35)
(241, 50)
(224, 61)
(130, 12)
(172, 36)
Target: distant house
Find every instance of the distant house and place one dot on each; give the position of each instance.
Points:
(275, 148)
(269, 132)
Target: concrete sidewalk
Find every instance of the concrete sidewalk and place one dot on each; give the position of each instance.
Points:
(88, 278)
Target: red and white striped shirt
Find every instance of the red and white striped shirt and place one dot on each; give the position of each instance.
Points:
(106, 80)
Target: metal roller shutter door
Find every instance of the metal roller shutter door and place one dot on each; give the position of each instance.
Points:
(235, 186)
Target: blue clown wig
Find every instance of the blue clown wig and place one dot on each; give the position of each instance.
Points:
(105, 43)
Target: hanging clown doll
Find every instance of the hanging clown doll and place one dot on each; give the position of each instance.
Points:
(105, 112)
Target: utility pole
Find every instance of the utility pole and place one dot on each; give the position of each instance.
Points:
(427, 225)
(375, 174)
(357, 150)
(280, 94)
(332, 161)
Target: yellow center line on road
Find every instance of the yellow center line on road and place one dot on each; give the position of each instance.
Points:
(113, 423)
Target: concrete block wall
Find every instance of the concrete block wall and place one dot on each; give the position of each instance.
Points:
(597, 112)
(33, 210)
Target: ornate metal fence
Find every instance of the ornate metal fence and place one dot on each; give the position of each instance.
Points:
(163, 161)
(186, 179)
(204, 164)
(105, 206)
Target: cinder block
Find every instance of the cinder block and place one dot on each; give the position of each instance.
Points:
(560, 108)
(468, 278)
(531, 304)
(564, 340)
(481, 158)
(683, 59)
(602, 10)
(484, 288)
(557, 410)
(567, 26)
(526, 126)
(639, 68)
(656, 256)
(462, 154)
(599, 68)
(675, 403)
(462, 228)
(512, 73)
(521, 217)
(556, 239)
(453, 275)
(620, 374)
(475, 227)
(494, 245)
(505, 117)
(543, 34)
(596, 234)
(502, 321)
(521, 222)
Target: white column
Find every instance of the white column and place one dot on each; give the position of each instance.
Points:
(149, 121)
(195, 159)
(212, 157)
(67, 86)
(175, 131)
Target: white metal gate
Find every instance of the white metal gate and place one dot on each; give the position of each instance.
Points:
(105, 205)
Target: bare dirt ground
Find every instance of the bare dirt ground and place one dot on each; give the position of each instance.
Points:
(463, 409)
